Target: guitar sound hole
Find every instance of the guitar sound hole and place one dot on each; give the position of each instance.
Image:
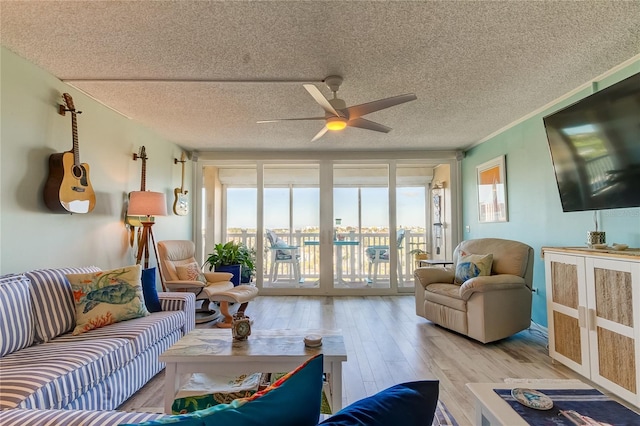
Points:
(77, 171)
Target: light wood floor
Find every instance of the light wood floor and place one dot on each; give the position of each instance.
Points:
(388, 344)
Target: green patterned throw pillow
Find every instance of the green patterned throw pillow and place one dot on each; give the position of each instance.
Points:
(107, 297)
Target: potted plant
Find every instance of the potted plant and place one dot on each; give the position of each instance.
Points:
(418, 255)
(230, 257)
(248, 264)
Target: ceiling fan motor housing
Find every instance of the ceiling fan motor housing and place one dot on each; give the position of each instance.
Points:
(340, 106)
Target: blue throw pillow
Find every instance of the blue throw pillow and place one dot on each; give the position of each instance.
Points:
(293, 400)
(406, 404)
(149, 290)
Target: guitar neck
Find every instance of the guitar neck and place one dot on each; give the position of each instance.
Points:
(142, 154)
(143, 179)
(182, 183)
(74, 131)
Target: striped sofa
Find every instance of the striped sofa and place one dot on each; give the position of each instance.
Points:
(44, 367)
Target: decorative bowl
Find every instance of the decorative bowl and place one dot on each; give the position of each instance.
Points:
(313, 340)
(532, 398)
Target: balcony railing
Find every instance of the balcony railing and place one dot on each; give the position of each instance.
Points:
(354, 262)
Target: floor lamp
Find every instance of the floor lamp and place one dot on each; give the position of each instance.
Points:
(147, 204)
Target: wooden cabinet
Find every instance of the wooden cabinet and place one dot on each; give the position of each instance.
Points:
(593, 308)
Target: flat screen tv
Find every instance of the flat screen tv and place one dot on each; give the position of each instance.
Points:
(595, 148)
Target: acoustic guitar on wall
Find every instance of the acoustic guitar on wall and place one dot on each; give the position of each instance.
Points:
(181, 204)
(68, 188)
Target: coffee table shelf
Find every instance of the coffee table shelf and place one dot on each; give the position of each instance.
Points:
(266, 351)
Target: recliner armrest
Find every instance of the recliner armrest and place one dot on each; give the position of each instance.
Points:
(426, 276)
(489, 283)
(183, 285)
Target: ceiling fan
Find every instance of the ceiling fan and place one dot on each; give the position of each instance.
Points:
(337, 115)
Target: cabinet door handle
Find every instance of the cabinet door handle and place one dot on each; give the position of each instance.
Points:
(592, 319)
(582, 317)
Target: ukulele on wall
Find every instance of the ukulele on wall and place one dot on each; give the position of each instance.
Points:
(181, 204)
(68, 188)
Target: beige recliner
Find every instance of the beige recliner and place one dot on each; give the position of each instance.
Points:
(175, 253)
(485, 308)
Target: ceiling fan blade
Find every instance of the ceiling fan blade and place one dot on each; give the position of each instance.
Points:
(319, 97)
(275, 120)
(320, 134)
(363, 123)
(362, 109)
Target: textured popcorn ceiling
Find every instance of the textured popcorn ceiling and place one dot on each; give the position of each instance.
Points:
(474, 66)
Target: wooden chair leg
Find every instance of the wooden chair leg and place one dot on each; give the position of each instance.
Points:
(228, 319)
(224, 310)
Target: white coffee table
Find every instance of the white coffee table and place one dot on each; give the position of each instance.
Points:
(492, 410)
(266, 351)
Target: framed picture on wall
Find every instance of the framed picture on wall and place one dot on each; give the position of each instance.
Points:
(492, 191)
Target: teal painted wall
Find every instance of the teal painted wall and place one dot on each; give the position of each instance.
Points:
(535, 213)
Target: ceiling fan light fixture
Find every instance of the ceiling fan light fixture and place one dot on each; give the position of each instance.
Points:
(336, 123)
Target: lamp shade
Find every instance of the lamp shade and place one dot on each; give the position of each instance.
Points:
(147, 203)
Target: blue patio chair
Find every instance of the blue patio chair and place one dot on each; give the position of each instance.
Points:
(281, 252)
(380, 254)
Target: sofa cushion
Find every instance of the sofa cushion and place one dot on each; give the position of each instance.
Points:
(53, 374)
(293, 400)
(16, 315)
(447, 295)
(473, 265)
(52, 300)
(142, 333)
(406, 404)
(115, 389)
(107, 297)
(20, 417)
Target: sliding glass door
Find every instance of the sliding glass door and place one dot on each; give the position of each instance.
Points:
(291, 220)
(412, 187)
(361, 246)
(323, 227)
